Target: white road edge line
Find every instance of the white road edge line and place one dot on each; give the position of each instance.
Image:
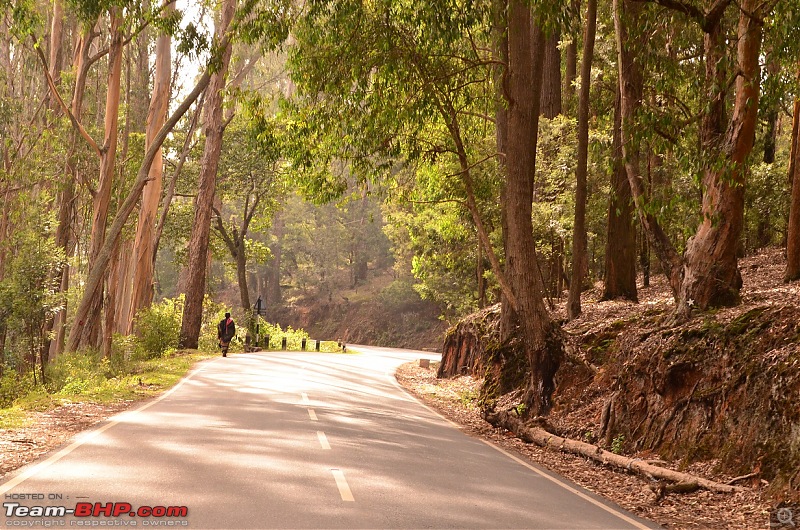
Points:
(304, 397)
(341, 483)
(609, 509)
(312, 414)
(90, 435)
(323, 440)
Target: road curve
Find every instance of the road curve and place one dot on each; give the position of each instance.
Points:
(294, 440)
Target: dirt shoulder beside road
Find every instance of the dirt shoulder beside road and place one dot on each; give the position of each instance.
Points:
(46, 431)
(455, 399)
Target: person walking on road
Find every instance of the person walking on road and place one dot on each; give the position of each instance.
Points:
(226, 329)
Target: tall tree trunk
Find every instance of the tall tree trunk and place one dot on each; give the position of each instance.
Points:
(56, 49)
(711, 276)
(551, 88)
(579, 258)
(631, 82)
(6, 92)
(120, 282)
(541, 338)
(792, 271)
(198, 244)
(188, 143)
(4, 230)
(551, 84)
(508, 319)
(764, 228)
(113, 283)
(480, 278)
(620, 269)
(90, 333)
(144, 240)
(67, 197)
(571, 67)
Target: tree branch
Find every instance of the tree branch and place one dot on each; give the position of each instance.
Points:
(231, 244)
(54, 90)
(707, 21)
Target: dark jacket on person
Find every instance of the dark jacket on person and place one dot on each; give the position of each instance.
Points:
(226, 329)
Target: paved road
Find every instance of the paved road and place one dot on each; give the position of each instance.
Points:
(296, 440)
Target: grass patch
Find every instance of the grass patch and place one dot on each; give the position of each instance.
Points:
(146, 378)
(13, 418)
(80, 378)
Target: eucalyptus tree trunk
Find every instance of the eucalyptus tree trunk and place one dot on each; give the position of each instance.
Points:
(508, 320)
(67, 197)
(707, 275)
(144, 241)
(6, 92)
(198, 244)
(579, 258)
(90, 328)
(56, 48)
(571, 67)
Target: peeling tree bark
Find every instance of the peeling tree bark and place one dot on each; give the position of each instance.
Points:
(711, 275)
(95, 276)
(144, 241)
(64, 239)
(90, 328)
(707, 275)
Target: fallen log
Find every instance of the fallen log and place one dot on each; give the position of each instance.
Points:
(545, 439)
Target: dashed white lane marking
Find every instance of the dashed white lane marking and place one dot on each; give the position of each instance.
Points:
(323, 440)
(341, 483)
(305, 398)
(312, 414)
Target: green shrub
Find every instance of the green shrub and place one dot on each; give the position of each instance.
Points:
(399, 295)
(158, 327)
(13, 386)
(74, 373)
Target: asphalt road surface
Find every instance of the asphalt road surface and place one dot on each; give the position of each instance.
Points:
(293, 440)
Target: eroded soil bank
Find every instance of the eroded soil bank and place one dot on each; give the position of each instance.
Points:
(721, 390)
